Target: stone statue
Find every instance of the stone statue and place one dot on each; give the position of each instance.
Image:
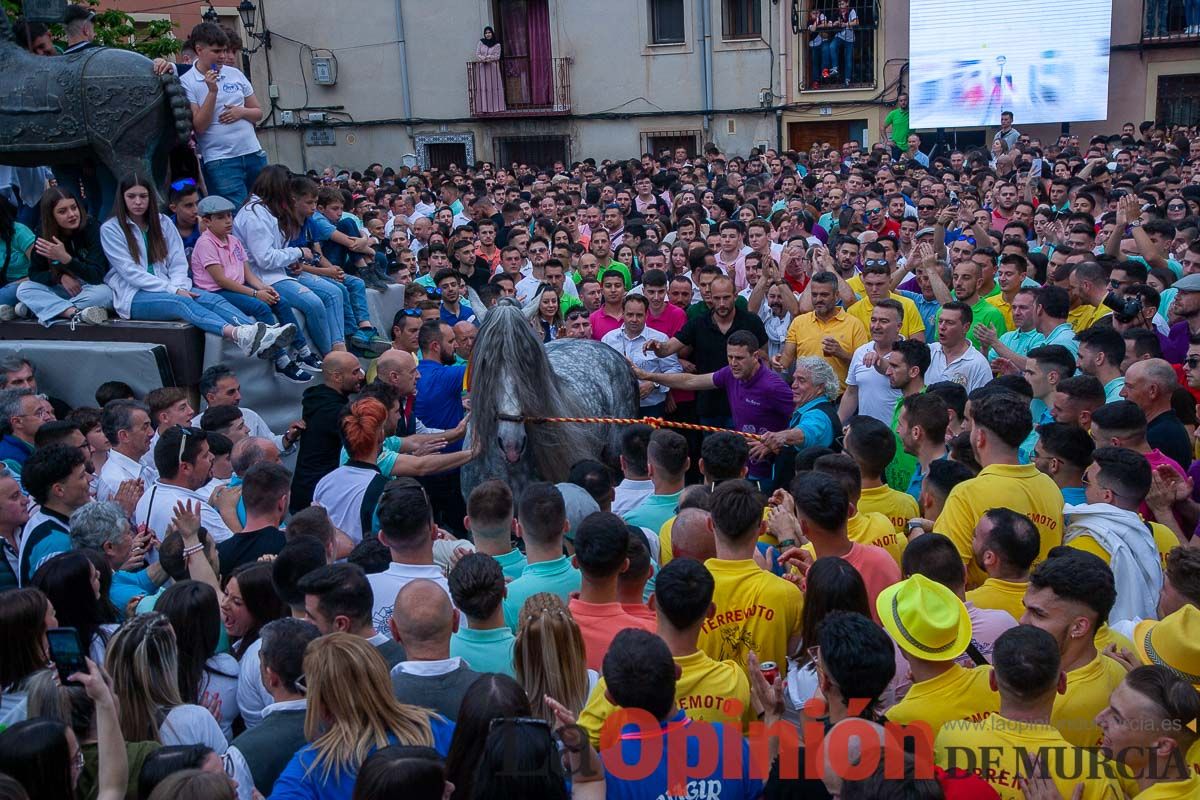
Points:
(100, 106)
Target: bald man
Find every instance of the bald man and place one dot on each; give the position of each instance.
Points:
(691, 536)
(398, 369)
(423, 620)
(464, 339)
(1150, 384)
(320, 442)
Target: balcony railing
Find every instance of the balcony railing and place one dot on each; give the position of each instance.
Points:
(1168, 22)
(519, 87)
(833, 63)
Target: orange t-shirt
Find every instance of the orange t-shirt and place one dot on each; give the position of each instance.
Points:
(599, 623)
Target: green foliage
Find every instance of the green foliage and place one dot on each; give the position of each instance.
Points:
(117, 29)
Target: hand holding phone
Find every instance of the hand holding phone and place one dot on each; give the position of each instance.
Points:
(65, 652)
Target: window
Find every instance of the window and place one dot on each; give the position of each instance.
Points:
(1178, 99)
(540, 150)
(666, 22)
(658, 142)
(829, 59)
(742, 19)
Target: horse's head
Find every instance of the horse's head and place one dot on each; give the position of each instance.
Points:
(510, 432)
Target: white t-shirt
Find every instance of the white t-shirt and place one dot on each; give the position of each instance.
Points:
(156, 509)
(876, 397)
(222, 140)
(970, 370)
(385, 585)
(341, 494)
(192, 724)
(252, 696)
(224, 686)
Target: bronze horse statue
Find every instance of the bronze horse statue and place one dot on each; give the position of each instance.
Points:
(101, 107)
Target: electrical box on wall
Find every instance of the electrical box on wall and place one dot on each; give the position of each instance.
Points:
(324, 70)
(287, 117)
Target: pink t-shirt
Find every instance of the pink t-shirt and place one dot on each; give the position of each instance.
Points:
(602, 323)
(599, 623)
(1156, 458)
(986, 626)
(209, 250)
(877, 567)
(669, 321)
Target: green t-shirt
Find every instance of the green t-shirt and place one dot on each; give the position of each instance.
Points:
(18, 262)
(898, 119)
(982, 313)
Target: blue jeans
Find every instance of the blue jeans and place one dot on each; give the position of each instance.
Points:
(820, 58)
(1191, 13)
(280, 313)
(321, 305)
(840, 52)
(232, 178)
(354, 302)
(8, 293)
(208, 312)
(47, 302)
(1156, 17)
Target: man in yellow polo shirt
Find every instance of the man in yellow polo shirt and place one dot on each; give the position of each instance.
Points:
(756, 610)
(932, 628)
(1000, 421)
(872, 444)
(1010, 277)
(1027, 674)
(706, 690)
(1070, 595)
(877, 282)
(1005, 545)
(827, 331)
(1149, 727)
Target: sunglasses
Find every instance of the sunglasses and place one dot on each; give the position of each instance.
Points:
(875, 262)
(927, 208)
(968, 239)
(180, 185)
(1192, 362)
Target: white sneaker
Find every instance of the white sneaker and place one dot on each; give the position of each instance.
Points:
(7, 313)
(248, 338)
(22, 311)
(278, 336)
(92, 315)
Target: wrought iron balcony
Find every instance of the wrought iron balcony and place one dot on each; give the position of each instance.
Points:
(519, 87)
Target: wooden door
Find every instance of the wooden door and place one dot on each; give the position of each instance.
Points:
(802, 135)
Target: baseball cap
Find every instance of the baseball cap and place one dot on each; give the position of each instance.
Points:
(213, 204)
(1188, 283)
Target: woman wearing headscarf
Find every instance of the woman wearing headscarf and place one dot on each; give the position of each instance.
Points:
(489, 84)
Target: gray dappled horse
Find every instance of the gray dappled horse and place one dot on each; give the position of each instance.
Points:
(513, 377)
(100, 106)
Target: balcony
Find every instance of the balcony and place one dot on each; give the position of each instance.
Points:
(1165, 23)
(521, 87)
(833, 63)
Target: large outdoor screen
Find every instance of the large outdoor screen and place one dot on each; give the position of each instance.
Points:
(1044, 61)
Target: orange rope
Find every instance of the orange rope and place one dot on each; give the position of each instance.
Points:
(654, 422)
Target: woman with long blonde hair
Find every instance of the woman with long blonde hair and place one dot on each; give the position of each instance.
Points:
(548, 656)
(352, 712)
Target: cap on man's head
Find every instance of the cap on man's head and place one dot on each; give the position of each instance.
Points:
(1188, 283)
(213, 204)
(76, 12)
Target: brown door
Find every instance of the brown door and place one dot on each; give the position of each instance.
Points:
(802, 135)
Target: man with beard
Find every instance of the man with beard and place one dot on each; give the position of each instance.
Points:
(827, 331)
(439, 405)
(320, 444)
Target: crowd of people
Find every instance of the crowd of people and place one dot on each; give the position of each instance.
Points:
(941, 543)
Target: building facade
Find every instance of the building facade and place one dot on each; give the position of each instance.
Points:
(351, 82)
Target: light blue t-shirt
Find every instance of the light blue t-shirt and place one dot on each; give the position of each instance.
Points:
(818, 430)
(653, 511)
(556, 577)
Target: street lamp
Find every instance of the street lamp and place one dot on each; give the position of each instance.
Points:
(210, 14)
(248, 11)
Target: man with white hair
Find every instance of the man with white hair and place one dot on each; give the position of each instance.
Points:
(104, 527)
(1150, 384)
(814, 423)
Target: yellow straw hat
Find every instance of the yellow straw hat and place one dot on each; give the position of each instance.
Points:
(1173, 642)
(925, 618)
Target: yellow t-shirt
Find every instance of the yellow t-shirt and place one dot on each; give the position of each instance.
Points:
(1106, 636)
(707, 691)
(910, 324)
(1088, 690)
(955, 695)
(1004, 307)
(756, 611)
(1164, 541)
(898, 507)
(870, 527)
(1084, 316)
(807, 333)
(665, 553)
(1173, 790)
(856, 285)
(1193, 757)
(1019, 487)
(1001, 594)
(997, 749)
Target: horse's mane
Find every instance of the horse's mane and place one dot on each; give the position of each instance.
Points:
(507, 346)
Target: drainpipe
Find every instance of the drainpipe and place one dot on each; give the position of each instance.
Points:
(704, 15)
(407, 102)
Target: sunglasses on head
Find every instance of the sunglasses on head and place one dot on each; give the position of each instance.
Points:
(186, 431)
(180, 185)
(968, 239)
(875, 262)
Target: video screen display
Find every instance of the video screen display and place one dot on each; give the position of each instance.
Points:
(1045, 62)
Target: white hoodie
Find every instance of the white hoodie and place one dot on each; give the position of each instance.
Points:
(1136, 567)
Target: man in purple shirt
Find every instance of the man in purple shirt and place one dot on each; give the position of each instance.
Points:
(760, 400)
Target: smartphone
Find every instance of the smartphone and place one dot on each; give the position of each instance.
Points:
(66, 653)
(1035, 171)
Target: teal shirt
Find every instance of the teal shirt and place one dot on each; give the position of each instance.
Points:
(1065, 335)
(653, 511)
(485, 650)
(1112, 390)
(128, 585)
(556, 577)
(1020, 342)
(387, 457)
(513, 563)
